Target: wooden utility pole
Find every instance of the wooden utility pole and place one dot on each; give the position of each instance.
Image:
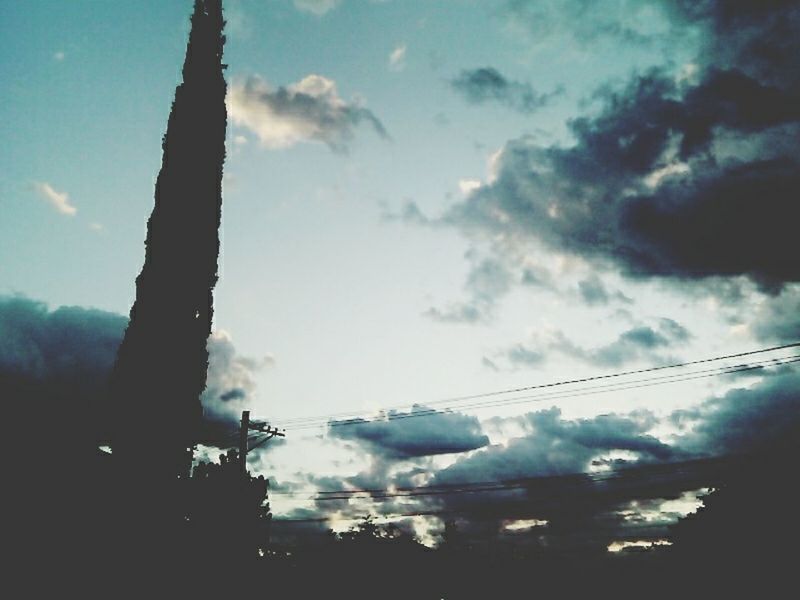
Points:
(244, 431)
(244, 434)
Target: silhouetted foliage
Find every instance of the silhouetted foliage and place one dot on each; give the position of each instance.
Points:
(746, 532)
(226, 510)
(162, 362)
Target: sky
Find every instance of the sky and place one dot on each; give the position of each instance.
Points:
(425, 200)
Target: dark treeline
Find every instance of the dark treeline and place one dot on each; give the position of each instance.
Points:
(743, 539)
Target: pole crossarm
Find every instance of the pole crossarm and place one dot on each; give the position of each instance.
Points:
(261, 426)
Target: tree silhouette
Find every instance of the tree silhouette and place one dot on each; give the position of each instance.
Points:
(228, 510)
(162, 362)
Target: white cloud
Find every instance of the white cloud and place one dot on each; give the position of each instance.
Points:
(654, 179)
(58, 200)
(99, 227)
(493, 165)
(59, 56)
(523, 524)
(230, 384)
(309, 110)
(397, 59)
(316, 7)
(466, 186)
(619, 546)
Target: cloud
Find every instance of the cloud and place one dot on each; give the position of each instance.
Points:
(397, 58)
(638, 343)
(677, 176)
(580, 507)
(410, 213)
(66, 356)
(309, 110)
(517, 356)
(587, 24)
(777, 319)
(455, 312)
(596, 199)
(398, 436)
(488, 280)
(467, 186)
(715, 432)
(641, 342)
(71, 344)
(230, 382)
(520, 355)
(594, 480)
(487, 84)
(744, 419)
(593, 292)
(757, 37)
(553, 445)
(59, 56)
(316, 7)
(58, 200)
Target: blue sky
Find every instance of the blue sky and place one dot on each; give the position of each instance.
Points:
(363, 270)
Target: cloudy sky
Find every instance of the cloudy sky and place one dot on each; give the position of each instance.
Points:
(423, 201)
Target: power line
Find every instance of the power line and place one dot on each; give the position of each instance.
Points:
(294, 420)
(579, 392)
(314, 422)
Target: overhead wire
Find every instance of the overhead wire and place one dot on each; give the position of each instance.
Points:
(390, 415)
(290, 421)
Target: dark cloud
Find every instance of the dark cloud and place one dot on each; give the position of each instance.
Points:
(554, 445)
(640, 342)
(520, 355)
(683, 177)
(593, 292)
(745, 419)
(309, 110)
(757, 36)
(777, 319)
(617, 196)
(612, 504)
(637, 343)
(234, 394)
(397, 436)
(63, 358)
(487, 84)
(71, 345)
(594, 480)
(558, 453)
(488, 280)
(517, 356)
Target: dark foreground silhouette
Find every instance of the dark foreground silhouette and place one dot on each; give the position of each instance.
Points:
(743, 541)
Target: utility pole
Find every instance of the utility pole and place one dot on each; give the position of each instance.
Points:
(244, 431)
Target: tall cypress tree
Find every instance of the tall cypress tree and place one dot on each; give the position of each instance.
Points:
(161, 365)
